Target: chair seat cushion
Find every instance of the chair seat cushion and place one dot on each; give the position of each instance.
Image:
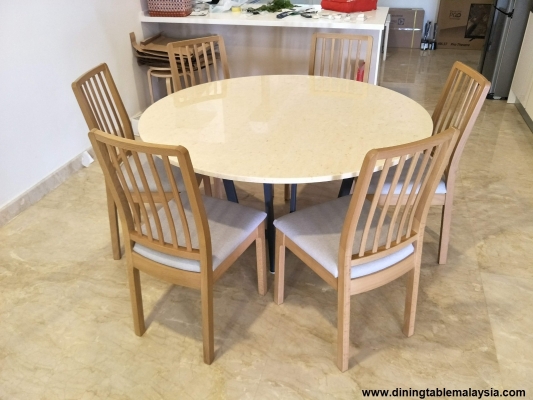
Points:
(229, 224)
(317, 231)
(441, 187)
(160, 167)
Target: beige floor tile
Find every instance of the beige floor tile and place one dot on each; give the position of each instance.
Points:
(509, 302)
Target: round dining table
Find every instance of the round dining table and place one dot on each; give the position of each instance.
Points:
(283, 129)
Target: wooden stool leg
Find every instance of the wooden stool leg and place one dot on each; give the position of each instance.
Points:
(150, 87)
(169, 85)
(287, 192)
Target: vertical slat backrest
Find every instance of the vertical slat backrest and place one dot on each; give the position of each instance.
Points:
(340, 55)
(160, 218)
(197, 61)
(383, 228)
(100, 103)
(459, 105)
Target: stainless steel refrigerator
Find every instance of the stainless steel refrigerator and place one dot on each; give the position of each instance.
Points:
(508, 20)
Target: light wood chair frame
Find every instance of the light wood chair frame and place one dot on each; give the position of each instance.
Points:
(134, 215)
(195, 61)
(409, 221)
(103, 109)
(459, 106)
(188, 58)
(343, 61)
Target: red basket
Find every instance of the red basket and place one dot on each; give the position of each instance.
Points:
(349, 6)
(169, 8)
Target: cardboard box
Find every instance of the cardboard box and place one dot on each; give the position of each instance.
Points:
(463, 24)
(405, 28)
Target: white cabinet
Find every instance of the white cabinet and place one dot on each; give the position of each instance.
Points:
(522, 85)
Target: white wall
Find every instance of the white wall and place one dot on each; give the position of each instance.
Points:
(431, 7)
(46, 45)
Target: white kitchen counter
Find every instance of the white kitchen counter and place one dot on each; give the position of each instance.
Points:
(265, 45)
(375, 20)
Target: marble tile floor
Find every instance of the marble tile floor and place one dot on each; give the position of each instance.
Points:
(67, 327)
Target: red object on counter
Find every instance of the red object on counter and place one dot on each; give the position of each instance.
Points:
(349, 6)
(360, 73)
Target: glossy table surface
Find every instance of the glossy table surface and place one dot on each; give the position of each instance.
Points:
(283, 129)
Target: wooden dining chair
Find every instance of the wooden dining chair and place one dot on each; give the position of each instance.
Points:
(181, 237)
(337, 55)
(341, 55)
(356, 246)
(103, 109)
(197, 61)
(459, 105)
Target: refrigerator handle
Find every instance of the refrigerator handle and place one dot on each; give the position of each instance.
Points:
(508, 14)
(511, 7)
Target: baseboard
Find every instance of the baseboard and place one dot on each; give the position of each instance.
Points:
(524, 114)
(41, 189)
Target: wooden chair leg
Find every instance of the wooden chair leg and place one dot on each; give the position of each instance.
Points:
(136, 300)
(279, 277)
(413, 278)
(218, 188)
(343, 326)
(113, 226)
(287, 192)
(207, 322)
(260, 250)
(445, 227)
(207, 185)
(150, 87)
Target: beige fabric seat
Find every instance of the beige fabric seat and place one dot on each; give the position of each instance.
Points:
(317, 231)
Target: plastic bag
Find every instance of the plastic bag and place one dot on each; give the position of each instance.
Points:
(225, 5)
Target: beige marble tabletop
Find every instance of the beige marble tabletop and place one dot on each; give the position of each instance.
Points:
(283, 129)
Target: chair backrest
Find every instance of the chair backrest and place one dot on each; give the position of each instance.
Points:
(100, 102)
(383, 234)
(459, 106)
(152, 216)
(341, 55)
(197, 61)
